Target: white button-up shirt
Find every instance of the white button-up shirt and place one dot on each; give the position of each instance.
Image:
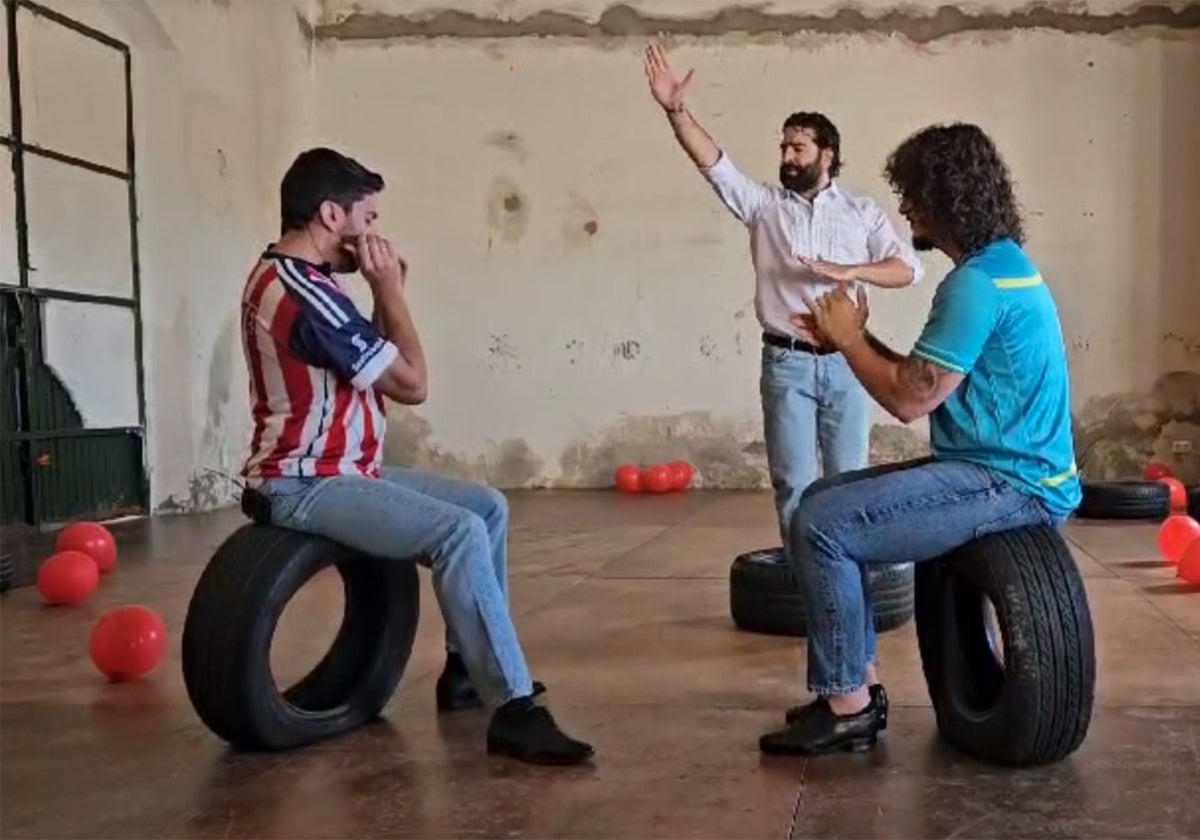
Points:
(835, 227)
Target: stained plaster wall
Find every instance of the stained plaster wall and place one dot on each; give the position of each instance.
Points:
(583, 297)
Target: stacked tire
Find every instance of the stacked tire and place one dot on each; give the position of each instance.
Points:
(765, 596)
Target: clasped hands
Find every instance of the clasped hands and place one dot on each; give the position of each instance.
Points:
(379, 261)
(833, 318)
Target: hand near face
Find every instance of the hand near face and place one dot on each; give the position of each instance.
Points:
(838, 320)
(379, 262)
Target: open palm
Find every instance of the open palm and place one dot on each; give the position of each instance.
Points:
(664, 87)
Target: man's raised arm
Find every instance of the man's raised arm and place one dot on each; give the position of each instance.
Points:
(742, 195)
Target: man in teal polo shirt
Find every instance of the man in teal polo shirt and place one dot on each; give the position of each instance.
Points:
(990, 371)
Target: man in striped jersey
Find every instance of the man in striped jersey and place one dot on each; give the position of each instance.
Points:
(319, 373)
(989, 370)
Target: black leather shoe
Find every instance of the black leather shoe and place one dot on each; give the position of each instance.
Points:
(817, 730)
(878, 694)
(455, 692)
(523, 730)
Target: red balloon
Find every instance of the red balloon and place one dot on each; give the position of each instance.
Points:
(1178, 492)
(68, 577)
(1189, 563)
(657, 479)
(629, 479)
(92, 539)
(681, 475)
(1176, 534)
(128, 642)
(1156, 470)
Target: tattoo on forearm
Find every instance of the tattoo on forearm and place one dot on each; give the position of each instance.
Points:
(919, 377)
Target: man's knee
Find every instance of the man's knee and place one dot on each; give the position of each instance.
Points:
(817, 486)
(808, 518)
(496, 504)
(467, 534)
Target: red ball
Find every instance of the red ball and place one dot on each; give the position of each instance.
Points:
(629, 479)
(657, 479)
(1156, 470)
(92, 539)
(1189, 563)
(1178, 492)
(1176, 534)
(128, 642)
(68, 577)
(681, 475)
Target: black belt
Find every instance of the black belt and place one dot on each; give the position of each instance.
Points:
(796, 344)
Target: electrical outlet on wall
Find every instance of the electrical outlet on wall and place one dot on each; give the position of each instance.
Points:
(1180, 446)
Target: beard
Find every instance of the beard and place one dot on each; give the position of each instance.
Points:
(800, 178)
(344, 260)
(923, 243)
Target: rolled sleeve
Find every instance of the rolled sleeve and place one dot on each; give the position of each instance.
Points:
(884, 242)
(743, 195)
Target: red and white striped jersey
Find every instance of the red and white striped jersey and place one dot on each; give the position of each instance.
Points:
(313, 359)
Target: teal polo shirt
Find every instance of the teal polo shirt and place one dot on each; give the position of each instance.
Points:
(994, 321)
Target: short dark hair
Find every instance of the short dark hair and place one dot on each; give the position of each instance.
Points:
(824, 132)
(319, 175)
(954, 175)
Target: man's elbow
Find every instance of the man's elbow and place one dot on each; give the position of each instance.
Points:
(413, 392)
(407, 387)
(907, 410)
(907, 414)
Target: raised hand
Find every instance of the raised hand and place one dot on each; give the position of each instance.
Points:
(664, 87)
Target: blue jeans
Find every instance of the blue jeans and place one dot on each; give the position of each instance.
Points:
(905, 512)
(456, 528)
(810, 404)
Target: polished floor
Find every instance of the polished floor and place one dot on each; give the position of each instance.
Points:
(622, 604)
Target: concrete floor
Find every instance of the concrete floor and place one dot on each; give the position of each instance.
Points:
(622, 604)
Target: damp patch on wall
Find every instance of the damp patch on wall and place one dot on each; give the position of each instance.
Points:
(622, 21)
(1118, 434)
(510, 463)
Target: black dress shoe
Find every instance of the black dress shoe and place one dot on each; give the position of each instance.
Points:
(817, 730)
(523, 730)
(878, 694)
(455, 692)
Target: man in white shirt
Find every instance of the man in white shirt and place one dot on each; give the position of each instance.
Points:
(806, 236)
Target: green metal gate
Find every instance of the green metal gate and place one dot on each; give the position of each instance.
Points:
(72, 404)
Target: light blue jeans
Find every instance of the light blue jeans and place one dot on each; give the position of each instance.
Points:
(905, 512)
(457, 529)
(812, 405)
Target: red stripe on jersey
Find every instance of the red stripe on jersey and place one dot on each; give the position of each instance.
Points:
(336, 441)
(258, 387)
(370, 442)
(296, 384)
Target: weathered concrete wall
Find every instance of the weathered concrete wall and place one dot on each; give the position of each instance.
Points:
(220, 91)
(584, 298)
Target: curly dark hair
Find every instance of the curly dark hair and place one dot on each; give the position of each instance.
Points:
(954, 176)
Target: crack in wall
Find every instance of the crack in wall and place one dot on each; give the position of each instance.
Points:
(621, 20)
